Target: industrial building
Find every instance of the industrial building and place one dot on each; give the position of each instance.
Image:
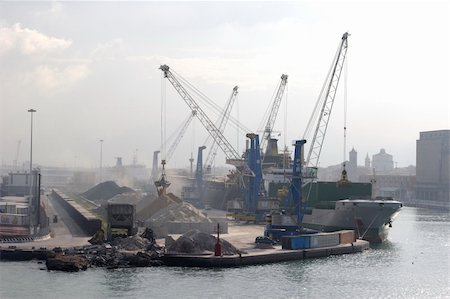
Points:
(433, 166)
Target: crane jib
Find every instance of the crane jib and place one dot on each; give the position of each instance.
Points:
(218, 137)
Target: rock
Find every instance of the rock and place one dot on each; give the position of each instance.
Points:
(169, 241)
(131, 243)
(67, 263)
(98, 238)
(196, 242)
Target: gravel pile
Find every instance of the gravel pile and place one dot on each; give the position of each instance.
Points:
(196, 242)
(105, 190)
(131, 243)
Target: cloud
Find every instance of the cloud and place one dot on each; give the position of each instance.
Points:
(110, 50)
(49, 78)
(29, 41)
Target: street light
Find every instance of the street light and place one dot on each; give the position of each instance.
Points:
(31, 168)
(31, 152)
(101, 156)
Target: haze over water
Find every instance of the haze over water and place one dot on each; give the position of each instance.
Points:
(414, 263)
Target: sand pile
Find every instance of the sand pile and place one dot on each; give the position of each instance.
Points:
(196, 242)
(151, 206)
(105, 190)
(178, 212)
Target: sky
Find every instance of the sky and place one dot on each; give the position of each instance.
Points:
(90, 69)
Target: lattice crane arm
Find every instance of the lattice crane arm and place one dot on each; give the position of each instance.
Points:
(330, 85)
(222, 124)
(218, 137)
(180, 135)
(274, 111)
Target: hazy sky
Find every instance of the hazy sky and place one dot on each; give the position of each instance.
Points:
(91, 71)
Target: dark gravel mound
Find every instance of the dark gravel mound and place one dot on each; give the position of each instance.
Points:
(196, 242)
(105, 190)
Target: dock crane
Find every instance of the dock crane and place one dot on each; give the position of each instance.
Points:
(180, 135)
(194, 192)
(330, 87)
(222, 123)
(272, 116)
(163, 183)
(155, 165)
(231, 154)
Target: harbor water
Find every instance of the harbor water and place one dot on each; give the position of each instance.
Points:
(413, 263)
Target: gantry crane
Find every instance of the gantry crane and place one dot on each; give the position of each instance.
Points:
(330, 87)
(222, 123)
(272, 116)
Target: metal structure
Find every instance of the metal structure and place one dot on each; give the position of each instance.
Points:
(274, 111)
(16, 160)
(121, 217)
(255, 188)
(180, 135)
(330, 87)
(199, 171)
(222, 123)
(215, 133)
(155, 165)
(295, 189)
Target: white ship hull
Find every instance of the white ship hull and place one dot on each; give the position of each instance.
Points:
(370, 219)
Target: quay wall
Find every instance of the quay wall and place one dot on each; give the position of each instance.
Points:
(84, 218)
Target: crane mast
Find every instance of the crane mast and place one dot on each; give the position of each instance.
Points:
(331, 85)
(215, 133)
(274, 111)
(223, 122)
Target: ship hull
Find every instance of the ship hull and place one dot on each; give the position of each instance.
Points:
(370, 219)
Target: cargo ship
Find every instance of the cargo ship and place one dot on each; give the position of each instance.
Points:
(341, 205)
(327, 206)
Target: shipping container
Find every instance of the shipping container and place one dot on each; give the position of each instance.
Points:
(301, 242)
(346, 236)
(324, 240)
(295, 242)
(11, 209)
(14, 219)
(278, 219)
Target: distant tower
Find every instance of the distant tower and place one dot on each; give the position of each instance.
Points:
(352, 166)
(118, 161)
(353, 157)
(367, 161)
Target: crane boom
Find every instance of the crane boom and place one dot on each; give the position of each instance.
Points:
(331, 85)
(223, 122)
(274, 111)
(218, 137)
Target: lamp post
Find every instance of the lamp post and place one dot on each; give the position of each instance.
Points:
(101, 157)
(31, 169)
(31, 151)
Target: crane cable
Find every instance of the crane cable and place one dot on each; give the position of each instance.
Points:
(163, 117)
(345, 109)
(211, 104)
(285, 127)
